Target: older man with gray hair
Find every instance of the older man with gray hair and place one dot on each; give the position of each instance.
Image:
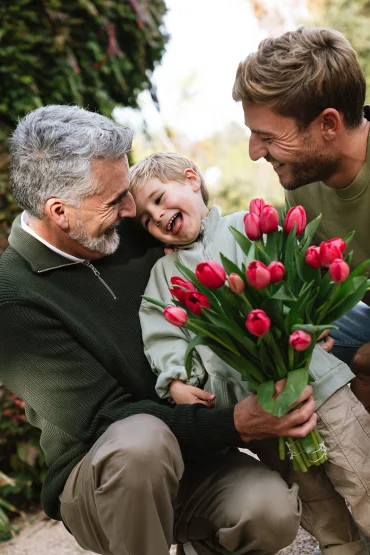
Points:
(127, 472)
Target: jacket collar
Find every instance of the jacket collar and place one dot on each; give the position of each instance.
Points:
(208, 227)
(37, 255)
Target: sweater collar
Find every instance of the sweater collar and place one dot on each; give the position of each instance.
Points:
(207, 227)
(37, 255)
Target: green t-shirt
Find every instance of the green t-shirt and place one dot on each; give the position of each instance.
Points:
(343, 210)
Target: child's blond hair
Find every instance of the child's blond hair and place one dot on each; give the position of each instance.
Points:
(165, 166)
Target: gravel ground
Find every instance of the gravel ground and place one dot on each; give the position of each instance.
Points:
(47, 537)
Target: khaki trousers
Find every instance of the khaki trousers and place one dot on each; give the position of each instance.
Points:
(130, 495)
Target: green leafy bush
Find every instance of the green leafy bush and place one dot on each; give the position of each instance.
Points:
(22, 464)
(94, 53)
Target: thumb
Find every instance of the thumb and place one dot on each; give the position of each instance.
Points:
(205, 395)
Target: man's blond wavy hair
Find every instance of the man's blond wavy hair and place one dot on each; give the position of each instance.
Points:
(165, 166)
(303, 72)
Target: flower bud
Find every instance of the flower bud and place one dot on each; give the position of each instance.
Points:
(256, 205)
(297, 216)
(211, 274)
(258, 323)
(330, 251)
(252, 226)
(269, 219)
(313, 257)
(258, 275)
(196, 301)
(339, 270)
(236, 283)
(176, 315)
(300, 340)
(276, 270)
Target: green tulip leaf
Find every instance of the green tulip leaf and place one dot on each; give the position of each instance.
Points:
(195, 342)
(161, 304)
(293, 389)
(284, 293)
(230, 267)
(244, 243)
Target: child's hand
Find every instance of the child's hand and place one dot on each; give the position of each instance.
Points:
(184, 394)
(328, 341)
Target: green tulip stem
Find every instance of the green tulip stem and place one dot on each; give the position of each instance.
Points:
(212, 336)
(282, 453)
(243, 296)
(278, 359)
(291, 357)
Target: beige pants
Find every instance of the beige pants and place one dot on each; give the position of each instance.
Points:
(130, 495)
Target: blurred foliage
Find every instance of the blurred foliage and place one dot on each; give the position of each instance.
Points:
(22, 464)
(350, 17)
(94, 53)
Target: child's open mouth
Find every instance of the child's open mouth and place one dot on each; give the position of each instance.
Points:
(175, 223)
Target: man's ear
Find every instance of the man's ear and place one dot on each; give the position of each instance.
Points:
(193, 179)
(57, 212)
(331, 123)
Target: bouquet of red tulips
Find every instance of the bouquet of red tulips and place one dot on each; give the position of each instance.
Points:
(264, 318)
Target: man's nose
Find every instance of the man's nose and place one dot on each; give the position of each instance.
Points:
(257, 149)
(128, 207)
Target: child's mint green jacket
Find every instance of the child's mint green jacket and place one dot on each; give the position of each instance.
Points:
(165, 344)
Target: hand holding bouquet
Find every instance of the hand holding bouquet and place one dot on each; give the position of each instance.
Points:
(264, 318)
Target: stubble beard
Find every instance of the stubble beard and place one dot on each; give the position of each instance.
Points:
(316, 167)
(105, 244)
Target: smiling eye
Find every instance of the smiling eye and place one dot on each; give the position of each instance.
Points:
(146, 223)
(158, 199)
(266, 140)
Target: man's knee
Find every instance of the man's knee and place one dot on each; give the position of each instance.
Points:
(141, 447)
(276, 514)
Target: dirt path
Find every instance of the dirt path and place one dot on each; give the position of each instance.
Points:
(51, 538)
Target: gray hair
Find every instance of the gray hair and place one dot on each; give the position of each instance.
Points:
(52, 149)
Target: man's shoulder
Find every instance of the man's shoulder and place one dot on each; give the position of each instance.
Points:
(14, 275)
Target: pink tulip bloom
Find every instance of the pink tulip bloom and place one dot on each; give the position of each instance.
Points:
(196, 301)
(252, 226)
(330, 251)
(176, 315)
(258, 323)
(236, 283)
(258, 275)
(297, 216)
(211, 274)
(276, 270)
(313, 257)
(269, 219)
(256, 205)
(178, 293)
(339, 270)
(300, 340)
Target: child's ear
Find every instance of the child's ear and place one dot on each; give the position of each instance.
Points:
(193, 179)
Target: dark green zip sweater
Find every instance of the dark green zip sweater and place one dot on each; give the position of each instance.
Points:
(71, 349)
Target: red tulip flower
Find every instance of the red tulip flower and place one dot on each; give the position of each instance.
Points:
(339, 270)
(313, 257)
(258, 323)
(256, 205)
(276, 270)
(236, 283)
(330, 250)
(184, 287)
(176, 315)
(252, 226)
(300, 340)
(269, 219)
(196, 301)
(297, 216)
(258, 275)
(211, 274)
(176, 280)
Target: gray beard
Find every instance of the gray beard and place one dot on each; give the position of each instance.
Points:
(105, 245)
